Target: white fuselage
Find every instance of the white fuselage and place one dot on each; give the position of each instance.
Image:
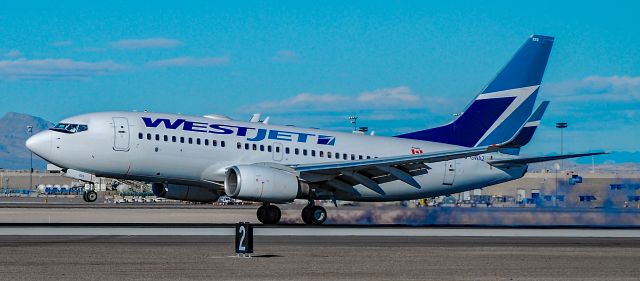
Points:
(123, 145)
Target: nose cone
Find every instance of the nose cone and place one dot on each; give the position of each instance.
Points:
(40, 144)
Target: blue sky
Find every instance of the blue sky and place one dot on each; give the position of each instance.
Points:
(400, 66)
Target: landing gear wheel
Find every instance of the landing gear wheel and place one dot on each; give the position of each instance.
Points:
(269, 214)
(90, 196)
(314, 215)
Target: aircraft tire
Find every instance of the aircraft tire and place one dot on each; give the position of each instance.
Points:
(314, 215)
(269, 214)
(91, 196)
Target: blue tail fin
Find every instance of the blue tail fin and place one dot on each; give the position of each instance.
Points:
(501, 109)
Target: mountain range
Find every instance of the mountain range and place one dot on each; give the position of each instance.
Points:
(13, 153)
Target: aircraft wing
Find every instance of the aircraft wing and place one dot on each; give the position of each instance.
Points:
(371, 172)
(527, 160)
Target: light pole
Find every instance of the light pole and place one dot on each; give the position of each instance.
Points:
(30, 130)
(354, 121)
(561, 126)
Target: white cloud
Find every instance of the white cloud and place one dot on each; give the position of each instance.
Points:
(65, 43)
(286, 56)
(55, 69)
(13, 54)
(398, 94)
(146, 43)
(190, 62)
(385, 99)
(596, 88)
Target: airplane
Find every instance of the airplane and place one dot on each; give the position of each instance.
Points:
(199, 159)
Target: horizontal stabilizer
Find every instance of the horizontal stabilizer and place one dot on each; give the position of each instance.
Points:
(528, 160)
(525, 134)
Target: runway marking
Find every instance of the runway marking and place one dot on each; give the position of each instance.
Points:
(319, 231)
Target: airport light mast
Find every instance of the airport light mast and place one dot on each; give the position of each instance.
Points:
(561, 126)
(30, 130)
(354, 121)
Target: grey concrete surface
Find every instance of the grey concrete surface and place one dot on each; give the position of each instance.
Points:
(317, 258)
(301, 230)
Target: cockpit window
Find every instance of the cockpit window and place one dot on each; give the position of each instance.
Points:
(70, 128)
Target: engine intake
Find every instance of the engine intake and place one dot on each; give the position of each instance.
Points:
(185, 192)
(263, 184)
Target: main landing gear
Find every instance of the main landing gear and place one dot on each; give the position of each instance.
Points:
(311, 214)
(315, 215)
(269, 214)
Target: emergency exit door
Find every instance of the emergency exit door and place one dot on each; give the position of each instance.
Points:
(120, 134)
(449, 172)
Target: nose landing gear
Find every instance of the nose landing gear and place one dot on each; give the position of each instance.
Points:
(90, 196)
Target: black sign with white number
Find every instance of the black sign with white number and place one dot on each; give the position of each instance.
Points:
(244, 238)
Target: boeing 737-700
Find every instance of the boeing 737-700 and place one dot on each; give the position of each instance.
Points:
(199, 159)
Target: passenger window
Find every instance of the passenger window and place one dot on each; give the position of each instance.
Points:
(254, 146)
(262, 147)
(222, 143)
(337, 155)
(296, 151)
(313, 153)
(268, 148)
(360, 157)
(304, 152)
(206, 142)
(157, 137)
(368, 157)
(277, 149)
(173, 138)
(328, 154)
(140, 135)
(148, 136)
(353, 157)
(321, 153)
(239, 145)
(190, 140)
(214, 142)
(198, 141)
(246, 146)
(166, 138)
(181, 139)
(286, 150)
(344, 156)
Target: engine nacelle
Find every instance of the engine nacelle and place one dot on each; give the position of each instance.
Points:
(185, 192)
(263, 184)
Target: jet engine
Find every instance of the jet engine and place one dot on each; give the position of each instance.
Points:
(185, 192)
(263, 184)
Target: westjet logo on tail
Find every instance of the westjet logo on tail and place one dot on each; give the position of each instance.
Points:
(251, 134)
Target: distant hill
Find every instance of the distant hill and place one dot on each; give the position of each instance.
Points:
(13, 134)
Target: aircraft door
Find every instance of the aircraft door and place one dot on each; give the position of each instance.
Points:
(449, 172)
(277, 151)
(120, 134)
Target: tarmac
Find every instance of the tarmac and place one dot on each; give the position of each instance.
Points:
(129, 242)
(133, 257)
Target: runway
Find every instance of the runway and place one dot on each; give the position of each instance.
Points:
(159, 229)
(318, 258)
